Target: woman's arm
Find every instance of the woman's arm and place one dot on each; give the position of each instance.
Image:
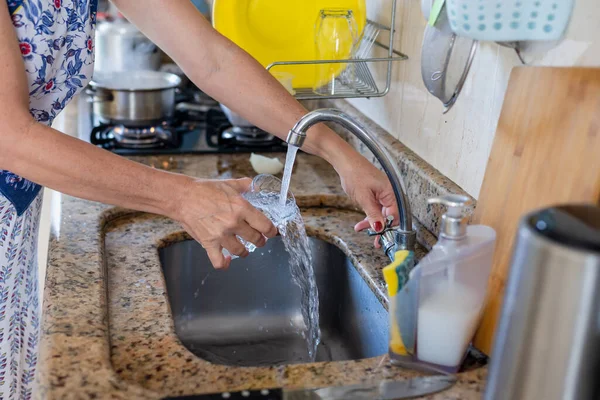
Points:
(212, 211)
(233, 77)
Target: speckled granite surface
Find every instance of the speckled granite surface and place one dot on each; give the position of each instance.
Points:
(107, 330)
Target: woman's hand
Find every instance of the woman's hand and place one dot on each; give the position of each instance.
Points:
(369, 188)
(213, 212)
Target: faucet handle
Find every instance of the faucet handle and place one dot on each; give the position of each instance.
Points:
(389, 220)
(393, 239)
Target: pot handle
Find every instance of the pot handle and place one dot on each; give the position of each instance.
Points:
(95, 97)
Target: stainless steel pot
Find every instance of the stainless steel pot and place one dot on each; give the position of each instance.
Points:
(120, 46)
(136, 98)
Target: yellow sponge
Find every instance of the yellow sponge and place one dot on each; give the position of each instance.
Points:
(390, 273)
(396, 275)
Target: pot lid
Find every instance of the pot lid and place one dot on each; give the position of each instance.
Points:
(136, 80)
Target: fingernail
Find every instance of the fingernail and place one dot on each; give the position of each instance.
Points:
(378, 226)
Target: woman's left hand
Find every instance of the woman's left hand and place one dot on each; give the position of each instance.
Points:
(370, 189)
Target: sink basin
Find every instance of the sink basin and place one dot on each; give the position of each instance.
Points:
(250, 314)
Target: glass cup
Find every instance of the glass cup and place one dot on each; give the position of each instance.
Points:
(336, 36)
(267, 184)
(264, 195)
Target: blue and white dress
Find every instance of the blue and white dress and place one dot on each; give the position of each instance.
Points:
(56, 39)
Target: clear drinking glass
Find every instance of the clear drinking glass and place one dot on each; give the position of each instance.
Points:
(336, 36)
(264, 195)
(267, 184)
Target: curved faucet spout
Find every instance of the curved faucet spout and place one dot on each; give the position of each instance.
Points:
(398, 239)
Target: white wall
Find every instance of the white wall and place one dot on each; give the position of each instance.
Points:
(458, 143)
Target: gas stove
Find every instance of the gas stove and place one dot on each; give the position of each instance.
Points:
(198, 126)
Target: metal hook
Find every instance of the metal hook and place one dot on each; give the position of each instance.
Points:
(516, 46)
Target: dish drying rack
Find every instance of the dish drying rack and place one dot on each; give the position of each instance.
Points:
(364, 84)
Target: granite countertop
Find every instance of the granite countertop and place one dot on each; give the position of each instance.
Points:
(107, 329)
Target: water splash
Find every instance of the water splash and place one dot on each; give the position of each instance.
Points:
(289, 222)
(301, 267)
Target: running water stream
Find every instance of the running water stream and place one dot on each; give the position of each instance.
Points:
(289, 222)
(301, 263)
(290, 158)
(283, 211)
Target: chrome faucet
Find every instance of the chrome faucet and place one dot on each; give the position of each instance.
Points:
(392, 238)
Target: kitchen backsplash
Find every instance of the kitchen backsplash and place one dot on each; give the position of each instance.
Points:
(458, 143)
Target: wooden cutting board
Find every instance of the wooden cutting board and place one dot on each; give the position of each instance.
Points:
(546, 151)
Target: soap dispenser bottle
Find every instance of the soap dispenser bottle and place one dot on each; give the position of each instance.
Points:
(453, 284)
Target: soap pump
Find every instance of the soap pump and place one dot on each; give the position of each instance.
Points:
(452, 287)
(454, 221)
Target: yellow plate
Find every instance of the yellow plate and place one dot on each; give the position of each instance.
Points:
(280, 30)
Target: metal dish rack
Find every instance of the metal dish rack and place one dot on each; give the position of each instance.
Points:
(364, 84)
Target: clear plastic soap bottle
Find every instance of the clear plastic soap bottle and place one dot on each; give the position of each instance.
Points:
(453, 283)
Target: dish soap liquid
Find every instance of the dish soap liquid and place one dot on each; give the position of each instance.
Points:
(453, 283)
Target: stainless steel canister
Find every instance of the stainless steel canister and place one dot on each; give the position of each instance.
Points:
(548, 340)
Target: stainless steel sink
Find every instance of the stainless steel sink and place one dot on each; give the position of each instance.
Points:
(250, 315)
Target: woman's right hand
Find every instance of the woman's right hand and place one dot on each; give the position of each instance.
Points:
(213, 212)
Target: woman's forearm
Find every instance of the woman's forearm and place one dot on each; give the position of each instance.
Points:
(228, 73)
(50, 158)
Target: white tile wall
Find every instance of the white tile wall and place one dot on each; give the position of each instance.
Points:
(458, 143)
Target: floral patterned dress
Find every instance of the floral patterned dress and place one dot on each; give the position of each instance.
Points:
(56, 42)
